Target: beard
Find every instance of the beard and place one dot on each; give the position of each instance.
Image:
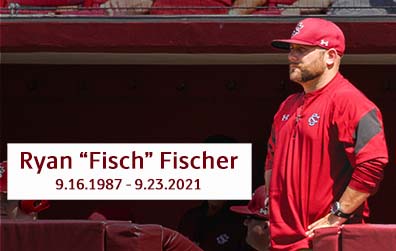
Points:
(302, 74)
(305, 75)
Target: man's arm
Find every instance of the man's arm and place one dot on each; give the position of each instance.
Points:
(247, 6)
(357, 192)
(350, 201)
(365, 147)
(267, 177)
(269, 161)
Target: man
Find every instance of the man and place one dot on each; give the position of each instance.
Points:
(327, 147)
(257, 235)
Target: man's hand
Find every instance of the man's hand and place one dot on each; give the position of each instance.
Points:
(330, 220)
(350, 200)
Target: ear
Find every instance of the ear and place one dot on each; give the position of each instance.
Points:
(331, 56)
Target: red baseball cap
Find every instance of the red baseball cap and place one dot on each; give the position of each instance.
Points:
(3, 176)
(256, 206)
(315, 32)
(33, 206)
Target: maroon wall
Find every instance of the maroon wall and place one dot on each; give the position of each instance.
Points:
(108, 103)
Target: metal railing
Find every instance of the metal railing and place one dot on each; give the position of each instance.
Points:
(201, 7)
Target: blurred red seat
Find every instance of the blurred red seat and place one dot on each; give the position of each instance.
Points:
(327, 239)
(47, 235)
(368, 237)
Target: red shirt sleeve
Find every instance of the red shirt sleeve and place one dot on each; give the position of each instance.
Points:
(367, 175)
(360, 129)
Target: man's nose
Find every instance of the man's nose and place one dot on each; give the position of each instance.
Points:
(292, 56)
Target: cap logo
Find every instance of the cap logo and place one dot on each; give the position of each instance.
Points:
(263, 211)
(324, 42)
(285, 117)
(298, 28)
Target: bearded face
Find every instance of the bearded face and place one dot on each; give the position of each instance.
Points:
(306, 63)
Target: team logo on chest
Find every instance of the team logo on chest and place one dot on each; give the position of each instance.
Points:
(222, 239)
(314, 119)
